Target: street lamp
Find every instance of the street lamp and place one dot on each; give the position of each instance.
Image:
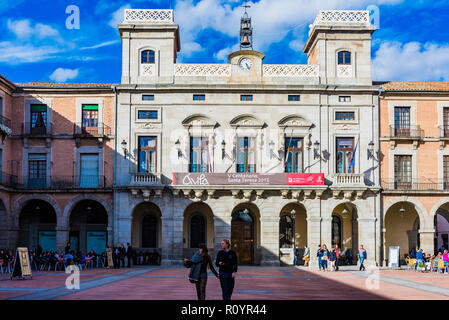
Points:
(178, 145)
(370, 150)
(223, 149)
(402, 211)
(316, 153)
(293, 215)
(125, 150)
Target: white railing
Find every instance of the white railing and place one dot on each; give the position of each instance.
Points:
(342, 16)
(148, 16)
(293, 70)
(348, 179)
(145, 179)
(211, 70)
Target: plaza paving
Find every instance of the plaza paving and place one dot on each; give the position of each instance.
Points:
(253, 283)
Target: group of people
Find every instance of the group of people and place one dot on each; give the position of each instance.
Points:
(426, 262)
(6, 260)
(227, 264)
(329, 259)
(132, 257)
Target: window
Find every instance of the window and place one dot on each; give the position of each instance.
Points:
(38, 119)
(90, 119)
(344, 98)
(336, 231)
(148, 97)
(246, 154)
(147, 154)
(149, 231)
(402, 121)
(199, 97)
(197, 230)
(89, 171)
(446, 172)
(1, 106)
(37, 170)
(148, 56)
(345, 150)
(446, 122)
(294, 155)
(199, 154)
(403, 172)
(246, 98)
(345, 115)
(286, 232)
(293, 98)
(147, 114)
(344, 57)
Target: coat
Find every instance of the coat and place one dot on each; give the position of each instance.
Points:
(195, 267)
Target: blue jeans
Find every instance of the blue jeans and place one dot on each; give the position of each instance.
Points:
(227, 285)
(319, 262)
(324, 264)
(361, 264)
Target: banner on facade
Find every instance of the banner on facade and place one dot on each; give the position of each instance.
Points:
(252, 179)
(22, 266)
(109, 254)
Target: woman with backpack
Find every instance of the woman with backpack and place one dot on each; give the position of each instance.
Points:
(198, 270)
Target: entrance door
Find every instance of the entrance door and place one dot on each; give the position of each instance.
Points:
(242, 236)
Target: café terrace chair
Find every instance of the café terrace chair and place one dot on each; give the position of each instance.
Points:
(441, 266)
(411, 264)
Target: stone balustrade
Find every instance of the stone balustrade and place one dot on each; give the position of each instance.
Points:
(148, 16)
(290, 70)
(332, 17)
(348, 179)
(205, 70)
(145, 179)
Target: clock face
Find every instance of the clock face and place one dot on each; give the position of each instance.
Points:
(246, 64)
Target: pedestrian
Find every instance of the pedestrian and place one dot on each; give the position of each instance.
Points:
(306, 256)
(332, 259)
(227, 268)
(348, 256)
(338, 254)
(116, 257)
(362, 257)
(419, 260)
(296, 262)
(122, 255)
(129, 254)
(198, 270)
(318, 254)
(445, 258)
(413, 253)
(324, 257)
(67, 248)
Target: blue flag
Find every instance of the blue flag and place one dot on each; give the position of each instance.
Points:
(352, 164)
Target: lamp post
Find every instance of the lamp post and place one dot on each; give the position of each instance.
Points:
(402, 212)
(223, 149)
(293, 215)
(370, 150)
(124, 147)
(316, 153)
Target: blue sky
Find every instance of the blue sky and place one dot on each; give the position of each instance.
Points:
(35, 45)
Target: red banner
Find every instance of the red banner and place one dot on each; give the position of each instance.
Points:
(305, 179)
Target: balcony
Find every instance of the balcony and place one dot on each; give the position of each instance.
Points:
(416, 185)
(63, 182)
(100, 130)
(8, 180)
(444, 132)
(348, 180)
(35, 130)
(407, 133)
(145, 179)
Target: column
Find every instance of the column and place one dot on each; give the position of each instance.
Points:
(222, 229)
(314, 231)
(269, 228)
(62, 237)
(427, 240)
(367, 238)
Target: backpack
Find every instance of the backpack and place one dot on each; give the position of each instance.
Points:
(364, 254)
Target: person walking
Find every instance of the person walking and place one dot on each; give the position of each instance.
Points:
(129, 254)
(122, 251)
(67, 248)
(296, 262)
(198, 270)
(319, 255)
(332, 259)
(306, 256)
(362, 257)
(227, 268)
(337, 254)
(419, 259)
(324, 257)
(116, 257)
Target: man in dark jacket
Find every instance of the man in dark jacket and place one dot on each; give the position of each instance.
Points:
(122, 254)
(227, 268)
(129, 254)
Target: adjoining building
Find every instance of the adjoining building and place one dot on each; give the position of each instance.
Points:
(241, 150)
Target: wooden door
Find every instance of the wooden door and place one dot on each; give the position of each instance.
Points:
(243, 241)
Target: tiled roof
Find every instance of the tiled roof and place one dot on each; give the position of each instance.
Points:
(64, 85)
(414, 86)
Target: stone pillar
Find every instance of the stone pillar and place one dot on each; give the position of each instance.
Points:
(427, 240)
(62, 237)
(367, 238)
(167, 238)
(269, 227)
(124, 227)
(172, 245)
(326, 232)
(110, 236)
(222, 229)
(313, 235)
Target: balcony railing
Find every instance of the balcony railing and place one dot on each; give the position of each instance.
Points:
(100, 130)
(444, 131)
(145, 179)
(8, 180)
(410, 132)
(5, 121)
(348, 179)
(63, 182)
(33, 129)
(416, 185)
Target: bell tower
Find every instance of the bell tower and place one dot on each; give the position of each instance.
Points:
(246, 31)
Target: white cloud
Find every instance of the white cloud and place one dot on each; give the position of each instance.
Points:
(23, 29)
(103, 44)
(117, 16)
(222, 55)
(62, 75)
(272, 20)
(15, 54)
(412, 61)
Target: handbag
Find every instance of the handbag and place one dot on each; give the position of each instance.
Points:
(188, 264)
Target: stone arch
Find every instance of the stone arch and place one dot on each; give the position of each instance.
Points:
(199, 120)
(138, 213)
(294, 120)
(246, 120)
(204, 210)
(23, 200)
(420, 209)
(300, 221)
(347, 213)
(73, 202)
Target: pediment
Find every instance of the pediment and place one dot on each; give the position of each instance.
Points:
(294, 121)
(246, 120)
(199, 120)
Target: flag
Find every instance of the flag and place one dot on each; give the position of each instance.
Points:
(288, 150)
(352, 164)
